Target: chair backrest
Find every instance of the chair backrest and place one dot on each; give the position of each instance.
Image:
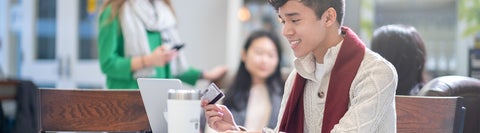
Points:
(429, 114)
(8, 89)
(466, 87)
(92, 110)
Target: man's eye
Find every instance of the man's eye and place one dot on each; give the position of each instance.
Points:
(282, 21)
(296, 20)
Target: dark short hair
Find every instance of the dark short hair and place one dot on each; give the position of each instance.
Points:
(319, 6)
(402, 46)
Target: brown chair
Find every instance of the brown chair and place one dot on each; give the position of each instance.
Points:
(23, 93)
(429, 114)
(8, 89)
(466, 87)
(92, 110)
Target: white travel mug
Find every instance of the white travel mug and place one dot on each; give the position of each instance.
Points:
(184, 110)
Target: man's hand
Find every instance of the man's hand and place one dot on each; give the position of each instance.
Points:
(219, 117)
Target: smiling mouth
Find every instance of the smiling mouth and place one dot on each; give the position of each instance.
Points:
(294, 43)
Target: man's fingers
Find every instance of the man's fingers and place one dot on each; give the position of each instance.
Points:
(223, 107)
(215, 107)
(212, 113)
(204, 103)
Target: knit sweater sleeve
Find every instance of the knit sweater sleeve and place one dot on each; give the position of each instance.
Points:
(372, 99)
(286, 95)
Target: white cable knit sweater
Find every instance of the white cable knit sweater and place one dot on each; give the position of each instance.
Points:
(372, 95)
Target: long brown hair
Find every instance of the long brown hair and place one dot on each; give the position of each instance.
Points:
(117, 5)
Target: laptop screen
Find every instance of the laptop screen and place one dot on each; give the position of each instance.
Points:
(154, 95)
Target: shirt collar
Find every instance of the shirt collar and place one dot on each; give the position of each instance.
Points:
(306, 66)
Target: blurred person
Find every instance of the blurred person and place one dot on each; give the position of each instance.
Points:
(255, 95)
(404, 48)
(337, 84)
(135, 40)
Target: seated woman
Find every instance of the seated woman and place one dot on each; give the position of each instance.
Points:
(256, 92)
(404, 48)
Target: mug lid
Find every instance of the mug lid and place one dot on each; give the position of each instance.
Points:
(184, 94)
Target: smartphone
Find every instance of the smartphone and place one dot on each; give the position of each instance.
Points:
(212, 94)
(178, 46)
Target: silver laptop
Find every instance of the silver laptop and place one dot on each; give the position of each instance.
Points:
(154, 95)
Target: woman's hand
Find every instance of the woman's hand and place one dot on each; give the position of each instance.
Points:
(160, 56)
(219, 117)
(215, 74)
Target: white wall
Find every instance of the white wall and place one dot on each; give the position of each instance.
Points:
(203, 26)
(10, 25)
(5, 47)
(352, 15)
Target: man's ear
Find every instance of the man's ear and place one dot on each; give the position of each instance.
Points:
(330, 17)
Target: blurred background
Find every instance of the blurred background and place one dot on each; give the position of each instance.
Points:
(53, 42)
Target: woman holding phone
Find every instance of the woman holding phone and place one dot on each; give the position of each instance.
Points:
(137, 39)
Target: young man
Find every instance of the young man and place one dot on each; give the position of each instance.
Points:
(337, 85)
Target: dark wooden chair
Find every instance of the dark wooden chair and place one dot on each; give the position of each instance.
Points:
(8, 89)
(92, 111)
(422, 114)
(466, 87)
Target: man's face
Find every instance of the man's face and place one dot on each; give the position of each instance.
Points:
(303, 30)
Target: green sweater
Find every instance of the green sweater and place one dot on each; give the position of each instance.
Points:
(117, 67)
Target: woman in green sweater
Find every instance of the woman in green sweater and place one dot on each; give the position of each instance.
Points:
(135, 40)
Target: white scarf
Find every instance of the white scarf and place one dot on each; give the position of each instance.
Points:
(139, 16)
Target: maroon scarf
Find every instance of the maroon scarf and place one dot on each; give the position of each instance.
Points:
(344, 71)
